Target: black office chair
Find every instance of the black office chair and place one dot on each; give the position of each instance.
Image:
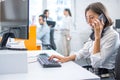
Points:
(52, 24)
(115, 73)
(101, 72)
(52, 42)
(117, 66)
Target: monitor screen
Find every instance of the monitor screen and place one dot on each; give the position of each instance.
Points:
(14, 17)
(117, 23)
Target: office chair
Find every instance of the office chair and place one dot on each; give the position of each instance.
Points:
(117, 66)
(52, 42)
(115, 73)
(101, 72)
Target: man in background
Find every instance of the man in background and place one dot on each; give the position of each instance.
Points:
(43, 33)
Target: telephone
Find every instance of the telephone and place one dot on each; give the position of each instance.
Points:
(102, 17)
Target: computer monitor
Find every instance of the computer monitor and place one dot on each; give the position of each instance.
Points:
(14, 17)
(117, 23)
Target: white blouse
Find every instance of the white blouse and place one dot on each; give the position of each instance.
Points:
(106, 57)
(67, 23)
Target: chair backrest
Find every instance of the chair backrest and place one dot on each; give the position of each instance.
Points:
(117, 65)
(51, 23)
(53, 46)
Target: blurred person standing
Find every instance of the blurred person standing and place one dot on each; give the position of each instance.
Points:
(46, 14)
(67, 27)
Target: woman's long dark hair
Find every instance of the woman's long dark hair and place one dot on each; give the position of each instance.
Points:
(99, 8)
(68, 10)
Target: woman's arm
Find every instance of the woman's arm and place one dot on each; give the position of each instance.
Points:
(108, 51)
(98, 27)
(96, 48)
(63, 59)
(82, 53)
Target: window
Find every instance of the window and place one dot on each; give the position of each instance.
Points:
(35, 9)
(56, 8)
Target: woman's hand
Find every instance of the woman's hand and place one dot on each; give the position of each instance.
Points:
(63, 59)
(68, 38)
(98, 27)
(60, 58)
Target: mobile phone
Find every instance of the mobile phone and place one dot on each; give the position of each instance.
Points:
(102, 17)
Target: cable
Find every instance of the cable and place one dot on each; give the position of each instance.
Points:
(5, 37)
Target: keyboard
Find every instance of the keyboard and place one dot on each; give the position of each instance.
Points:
(43, 60)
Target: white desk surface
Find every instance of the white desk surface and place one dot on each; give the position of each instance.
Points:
(68, 71)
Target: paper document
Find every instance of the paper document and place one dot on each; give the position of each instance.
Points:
(15, 44)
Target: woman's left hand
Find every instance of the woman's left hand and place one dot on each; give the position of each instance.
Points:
(68, 38)
(98, 27)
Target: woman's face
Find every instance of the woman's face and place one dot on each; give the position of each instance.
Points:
(66, 13)
(91, 16)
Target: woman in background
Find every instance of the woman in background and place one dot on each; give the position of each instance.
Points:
(66, 31)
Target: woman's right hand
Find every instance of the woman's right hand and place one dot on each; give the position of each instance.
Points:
(98, 27)
(60, 58)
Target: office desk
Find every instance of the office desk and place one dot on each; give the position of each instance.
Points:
(68, 71)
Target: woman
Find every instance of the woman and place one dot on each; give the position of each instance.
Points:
(66, 31)
(103, 43)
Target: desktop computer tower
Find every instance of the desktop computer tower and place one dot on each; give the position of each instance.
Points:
(12, 62)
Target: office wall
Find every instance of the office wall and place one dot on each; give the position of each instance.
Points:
(112, 6)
